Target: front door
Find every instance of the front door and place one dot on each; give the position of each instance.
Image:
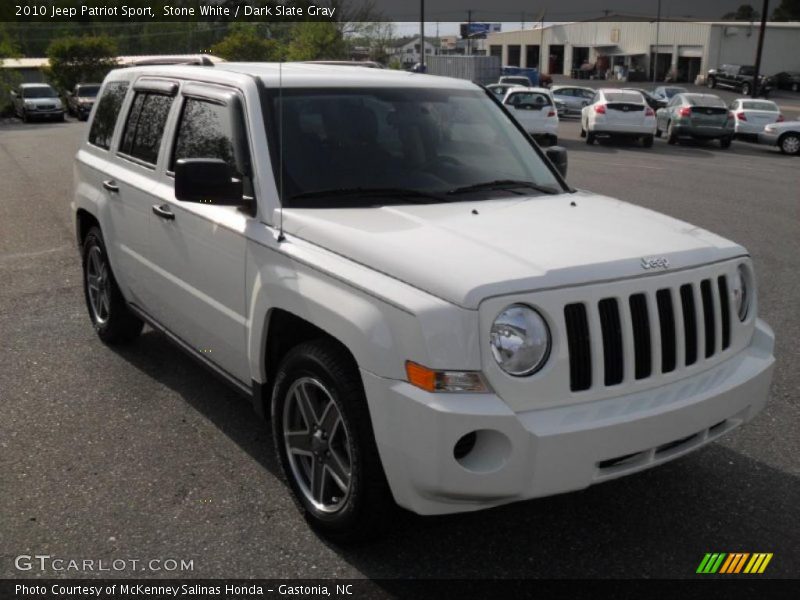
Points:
(199, 250)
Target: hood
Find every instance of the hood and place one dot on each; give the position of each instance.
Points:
(464, 252)
(43, 101)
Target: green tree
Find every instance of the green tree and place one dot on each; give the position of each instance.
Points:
(316, 41)
(77, 59)
(788, 10)
(745, 12)
(8, 78)
(246, 43)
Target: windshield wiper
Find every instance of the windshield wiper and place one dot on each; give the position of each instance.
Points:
(503, 184)
(360, 192)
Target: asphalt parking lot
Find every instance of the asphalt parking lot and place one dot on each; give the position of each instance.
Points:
(140, 454)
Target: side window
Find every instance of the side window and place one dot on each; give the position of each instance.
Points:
(211, 130)
(105, 117)
(204, 131)
(145, 126)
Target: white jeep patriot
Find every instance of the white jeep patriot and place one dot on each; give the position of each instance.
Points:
(393, 270)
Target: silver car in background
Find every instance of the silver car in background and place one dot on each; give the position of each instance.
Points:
(785, 135)
(571, 99)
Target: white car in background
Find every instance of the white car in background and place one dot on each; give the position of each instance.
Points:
(535, 109)
(751, 116)
(618, 113)
(785, 135)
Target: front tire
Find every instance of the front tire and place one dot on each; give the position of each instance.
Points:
(112, 319)
(711, 83)
(746, 89)
(790, 144)
(324, 439)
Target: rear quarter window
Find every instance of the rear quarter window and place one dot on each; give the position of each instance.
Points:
(105, 117)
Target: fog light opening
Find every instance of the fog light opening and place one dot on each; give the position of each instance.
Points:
(464, 445)
(482, 451)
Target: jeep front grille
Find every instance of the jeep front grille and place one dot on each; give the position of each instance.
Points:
(646, 333)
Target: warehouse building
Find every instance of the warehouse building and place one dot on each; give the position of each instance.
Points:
(684, 51)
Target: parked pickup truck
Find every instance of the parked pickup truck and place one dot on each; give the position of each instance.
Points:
(739, 78)
(394, 272)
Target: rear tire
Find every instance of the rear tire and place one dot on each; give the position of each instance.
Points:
(583, 132)
(647, 141)
(589, 138)
(795, 87)
(658, 133)
(790, 144)
(320, 377)
(672, 137)
(746, 89)
(112, 319)
(711, 83)
(725, 142)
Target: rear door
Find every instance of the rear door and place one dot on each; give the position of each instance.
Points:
(531, 109)
(130, 180)
(198, 270)
(625, 108)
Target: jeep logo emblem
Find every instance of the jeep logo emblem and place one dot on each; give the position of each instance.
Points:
(660, 262)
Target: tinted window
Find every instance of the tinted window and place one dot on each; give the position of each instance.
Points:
(145, 126)
(529, 99)
(747, 71)
(204, 132)
(704, 100)
(624, 97)
(105, 117)
(760, 105)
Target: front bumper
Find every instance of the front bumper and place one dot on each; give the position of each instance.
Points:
(537, 453)
(768, 138)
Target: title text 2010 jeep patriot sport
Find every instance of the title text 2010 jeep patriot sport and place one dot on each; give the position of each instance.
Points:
(390, 267)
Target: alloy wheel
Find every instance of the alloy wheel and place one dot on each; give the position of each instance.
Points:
(318, 445)
(98, 285)
(791, 144)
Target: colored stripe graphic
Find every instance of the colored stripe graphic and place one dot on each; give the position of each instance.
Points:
(734, 562)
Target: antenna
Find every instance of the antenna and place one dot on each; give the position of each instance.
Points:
(281, 237)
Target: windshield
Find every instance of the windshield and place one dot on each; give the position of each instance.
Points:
(88, 91)
(44, 91)
(425, 142)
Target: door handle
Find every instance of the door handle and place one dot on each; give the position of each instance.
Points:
(164, 212)
(111, 186)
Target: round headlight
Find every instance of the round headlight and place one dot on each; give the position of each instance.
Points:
(741, 293)
(520, 340)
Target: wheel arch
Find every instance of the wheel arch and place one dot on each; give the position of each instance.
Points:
(84, 221)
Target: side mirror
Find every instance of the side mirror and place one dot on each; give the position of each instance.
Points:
(558, 156)
(207, 181)
(13, 94)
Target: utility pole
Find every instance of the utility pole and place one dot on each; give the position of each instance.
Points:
(655, 50)
(469, 32)
(422, 35)
(760, 47)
